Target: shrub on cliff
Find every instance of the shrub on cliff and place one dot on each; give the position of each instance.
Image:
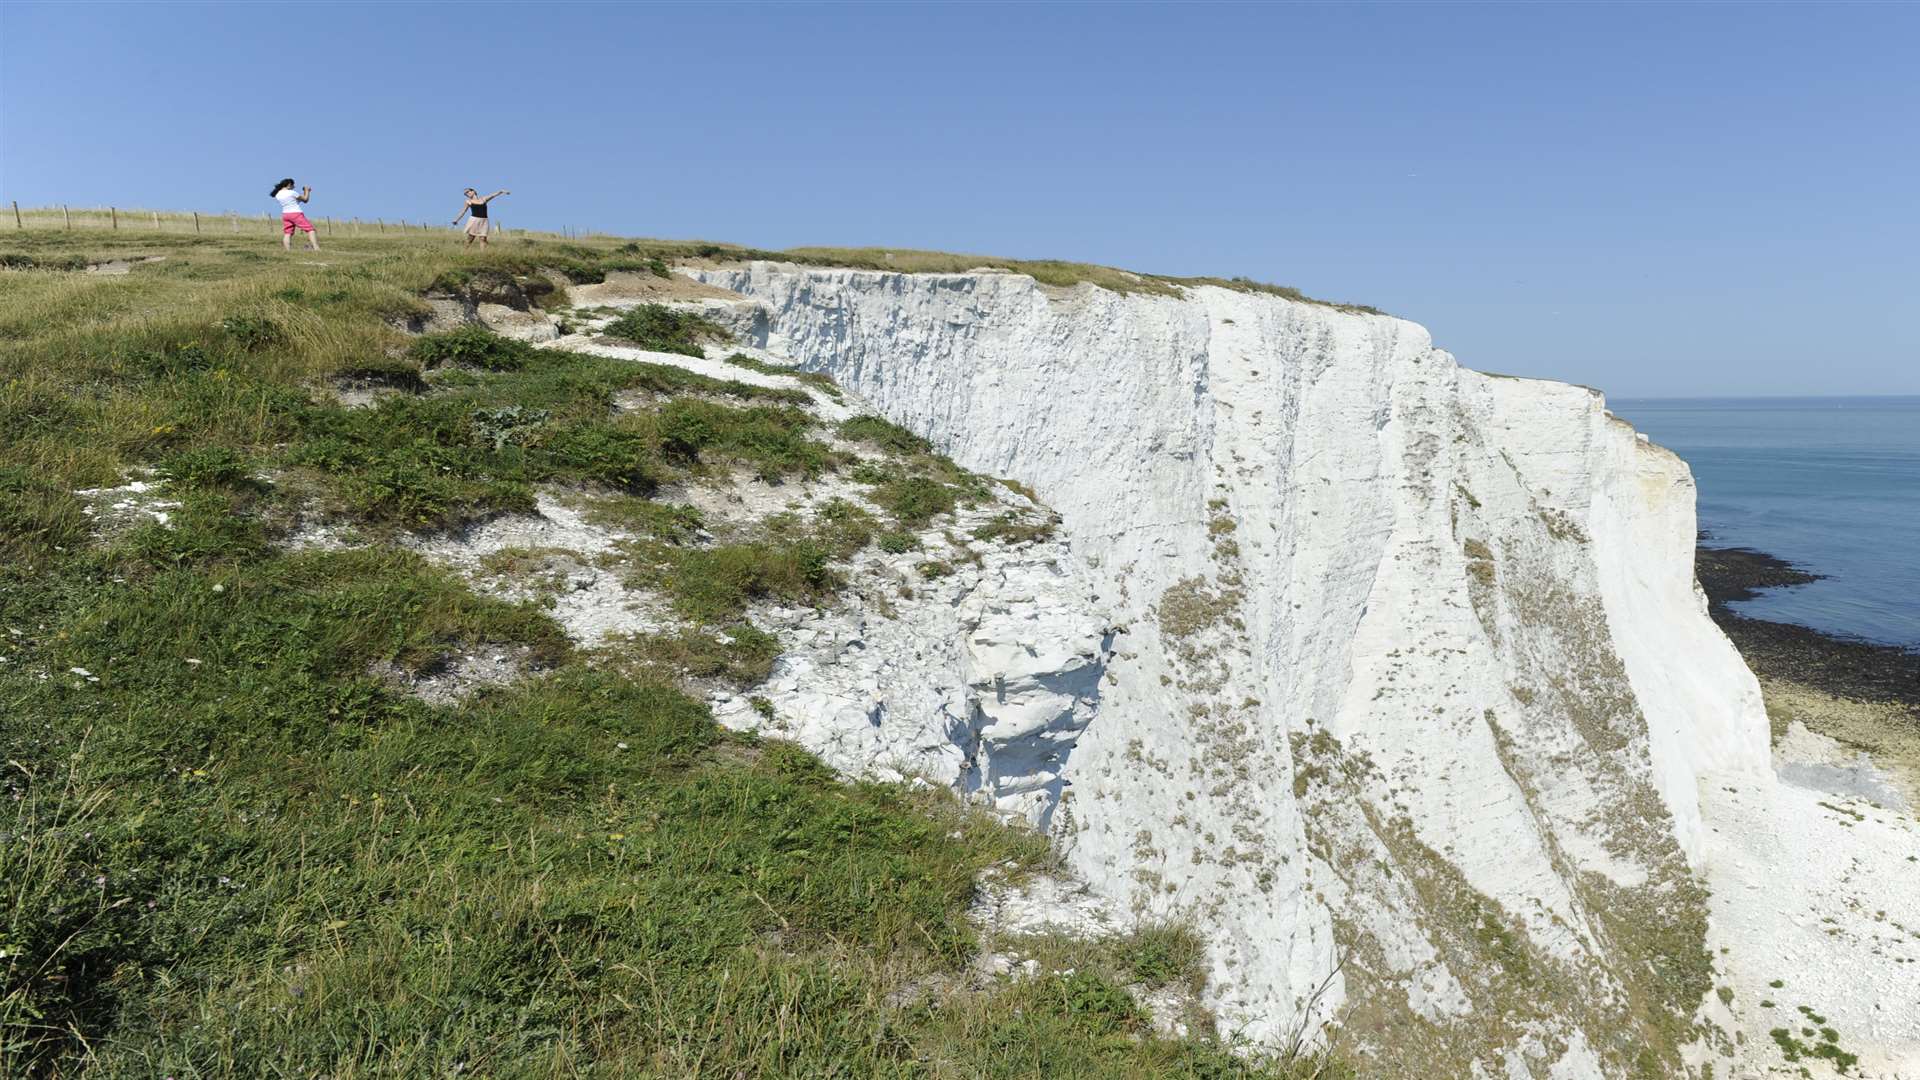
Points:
(663, 329)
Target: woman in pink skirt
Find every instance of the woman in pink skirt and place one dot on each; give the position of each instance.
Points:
(292, 216)
(477, 225)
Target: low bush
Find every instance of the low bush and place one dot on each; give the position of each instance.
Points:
(393, 373)
(771, 439)
(884, 434)
(472, 346)
(253, 331)
(915, 500)
(1012, 528)
(714, 585)
(207, 467)
(663, 329)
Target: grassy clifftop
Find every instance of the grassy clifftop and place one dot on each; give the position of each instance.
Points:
(233, 843)
(606, 252)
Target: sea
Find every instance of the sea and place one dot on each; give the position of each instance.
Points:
(1829, 484)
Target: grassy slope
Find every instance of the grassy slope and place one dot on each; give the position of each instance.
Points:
(228, 848)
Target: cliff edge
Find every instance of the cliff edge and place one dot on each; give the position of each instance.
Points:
(1410, 694)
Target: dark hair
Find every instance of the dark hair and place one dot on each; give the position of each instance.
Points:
(287, 183)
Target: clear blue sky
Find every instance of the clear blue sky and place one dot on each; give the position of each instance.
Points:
(1704, 199)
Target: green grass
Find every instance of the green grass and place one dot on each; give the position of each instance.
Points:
(819, 380)
(230, 845)
(268, 861)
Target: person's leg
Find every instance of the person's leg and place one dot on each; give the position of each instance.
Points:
(313, 237)
(286, 235)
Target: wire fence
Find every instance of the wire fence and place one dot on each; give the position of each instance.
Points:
(120, 218)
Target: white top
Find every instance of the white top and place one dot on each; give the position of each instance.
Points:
(289, 199)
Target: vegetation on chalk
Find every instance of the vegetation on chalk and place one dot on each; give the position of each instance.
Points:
(1820, 1043)
(740, 655)
(1011, 528)
(915, 485)
(669, 522)
(472, 346)
(884, 434)
(231, 845)
(1155, 955)
(663, 329)
(784, 560)
(505, 416)
(819, 380)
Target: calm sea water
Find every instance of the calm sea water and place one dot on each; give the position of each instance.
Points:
(1830, 484)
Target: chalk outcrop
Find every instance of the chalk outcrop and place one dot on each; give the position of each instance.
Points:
(981, 679)
(1407, 693)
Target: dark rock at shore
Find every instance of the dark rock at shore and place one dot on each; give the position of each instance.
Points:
(1740, 573)
(1839, 666)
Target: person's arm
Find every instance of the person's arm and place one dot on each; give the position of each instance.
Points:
(497, 194)
(306, 193)
(464, 207)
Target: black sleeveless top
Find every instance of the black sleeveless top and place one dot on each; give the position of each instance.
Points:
(479, 209)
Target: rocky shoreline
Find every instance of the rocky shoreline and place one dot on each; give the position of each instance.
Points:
(1843, 667)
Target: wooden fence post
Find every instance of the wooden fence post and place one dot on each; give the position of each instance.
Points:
(233, 220)
(16, 215)
(64, 216)
(116, 216)
(382, 223)
(196, 223)
(329, 226)
(156, 219)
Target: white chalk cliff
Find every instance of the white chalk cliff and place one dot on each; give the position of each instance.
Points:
(1389, 675)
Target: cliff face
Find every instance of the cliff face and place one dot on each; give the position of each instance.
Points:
(1407, 691)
